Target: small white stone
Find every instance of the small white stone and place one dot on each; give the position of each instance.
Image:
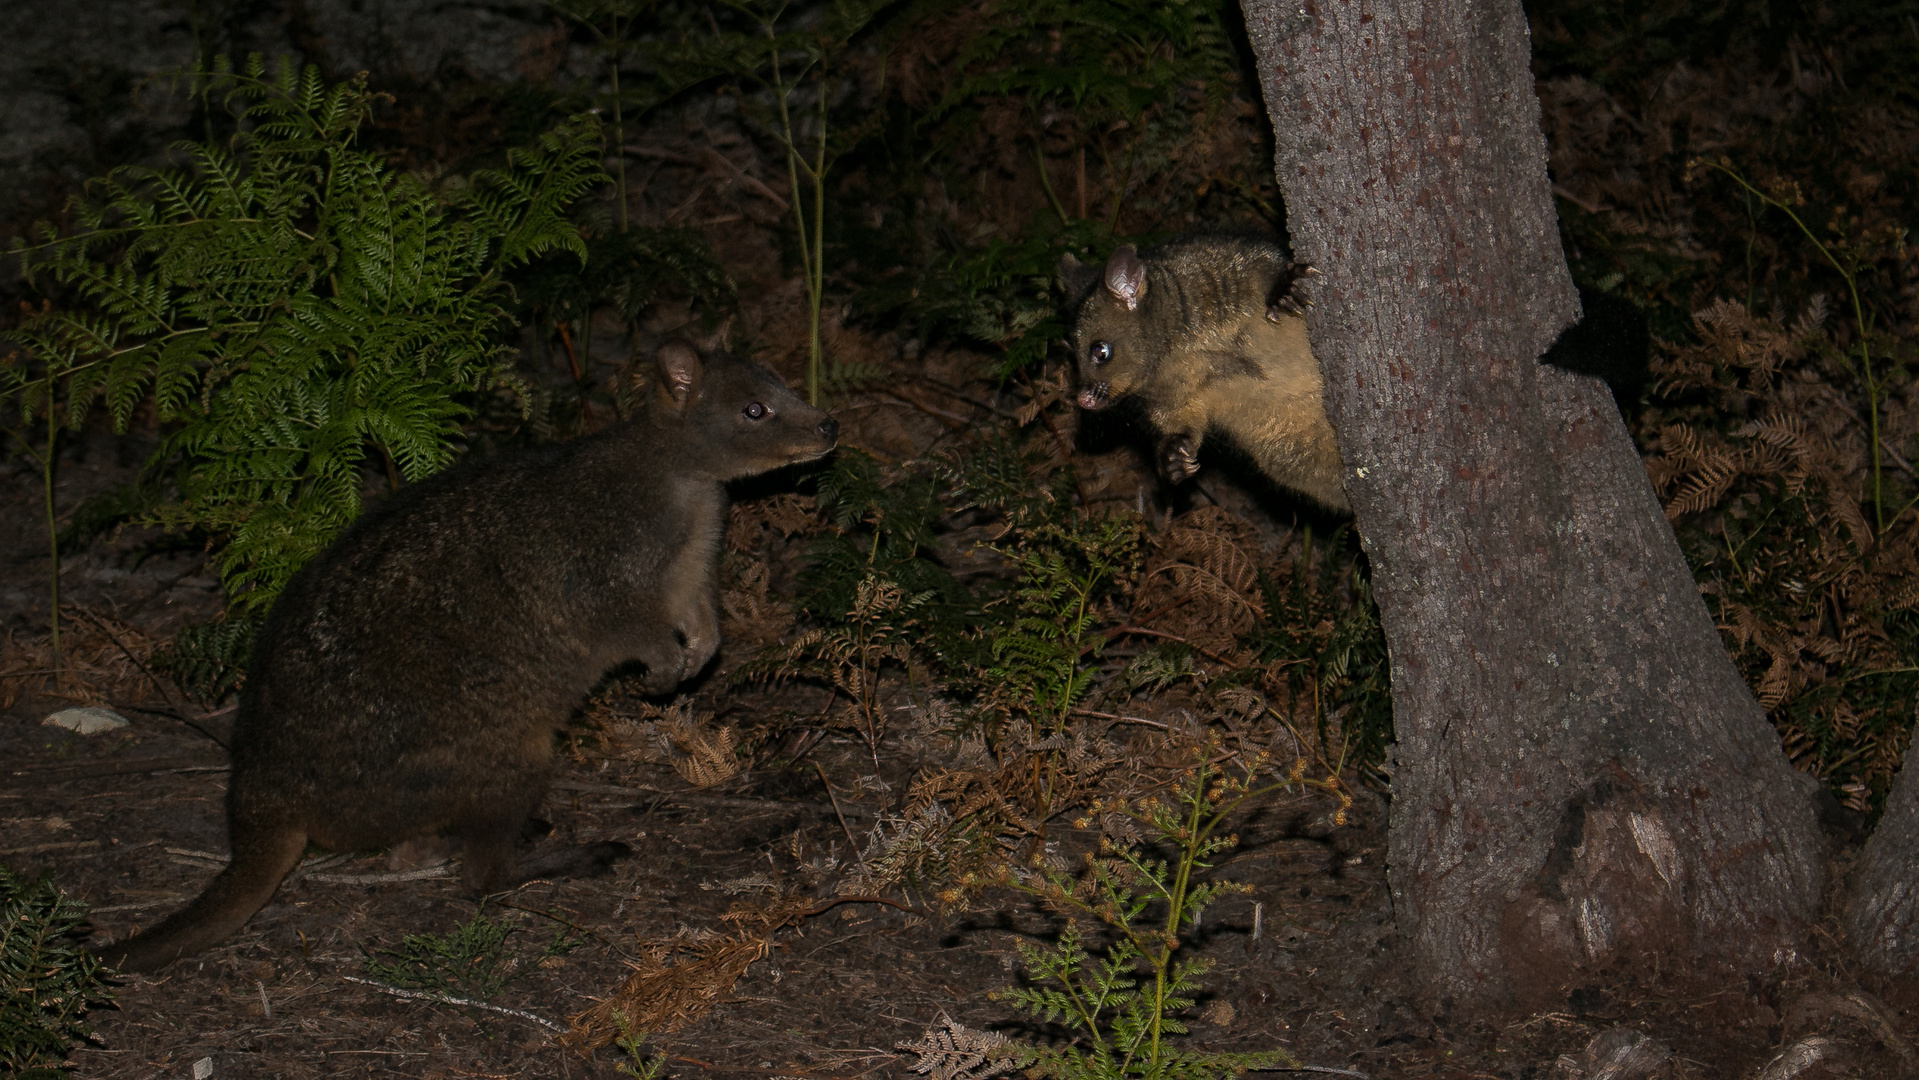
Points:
(203, 1068)
(87, 720)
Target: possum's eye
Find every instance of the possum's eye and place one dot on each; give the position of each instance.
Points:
(755, 411)
(1101, 352)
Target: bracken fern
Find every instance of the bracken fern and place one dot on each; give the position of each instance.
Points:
(290, 306)
(1146, 886)
(47, 982)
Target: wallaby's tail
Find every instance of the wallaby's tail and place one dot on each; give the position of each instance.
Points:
(261, 857)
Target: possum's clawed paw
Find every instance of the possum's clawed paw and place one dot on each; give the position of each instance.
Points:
(1289, 297)
(1179, 457)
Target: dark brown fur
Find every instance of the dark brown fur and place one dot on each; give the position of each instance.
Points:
(410, 679)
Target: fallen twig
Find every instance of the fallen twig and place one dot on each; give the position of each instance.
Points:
(90, 770)
(1160, 724)
(449, 999)
(843, 826)
(40, 849)
(692, 799)
(422, 874)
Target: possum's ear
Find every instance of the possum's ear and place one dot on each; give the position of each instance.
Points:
(679, 372)
(1126, 277)
(1076, 276)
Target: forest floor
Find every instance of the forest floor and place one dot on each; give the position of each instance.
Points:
(130, 822)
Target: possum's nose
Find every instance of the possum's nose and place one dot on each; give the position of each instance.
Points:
(830, 429)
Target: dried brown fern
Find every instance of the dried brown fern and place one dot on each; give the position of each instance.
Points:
(954, 1051)
(625, 728)
(750, 613)
(785, 515)
(1770, 508)
(1201, 582)
(680, 979)
(672, 985)
(102, 660)
(702, 753)
(878, 633)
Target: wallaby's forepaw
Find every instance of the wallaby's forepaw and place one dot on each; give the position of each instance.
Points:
(661, 681)
(1179, 457)
(702, 641)
(664, 655)
(1289, 297)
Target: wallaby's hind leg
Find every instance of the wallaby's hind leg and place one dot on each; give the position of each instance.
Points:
(490, 852)
(262, 856)
(492, 862)
(575, 860)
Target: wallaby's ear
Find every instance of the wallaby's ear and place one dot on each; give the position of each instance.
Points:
(1076, 276)
(1126, 277)
(679, 372)
(714, 341)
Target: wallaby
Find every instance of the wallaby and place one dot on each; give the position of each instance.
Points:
(1208, 333)
(409, 681)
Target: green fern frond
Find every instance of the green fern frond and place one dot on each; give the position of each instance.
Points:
(1120, 1006)
(48, 982)
(293, 305)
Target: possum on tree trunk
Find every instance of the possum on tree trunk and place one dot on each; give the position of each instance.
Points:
(1209, 334)
(410, 680)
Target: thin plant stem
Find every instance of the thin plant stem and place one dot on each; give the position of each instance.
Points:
(811, 250)
(619, 125)
(812, 165)
(1864, 371)
(53, 528)
(613, 43)
(1125, 179)
(1752, 241)
(1881, 671)
(816, 275)
(1046, 181)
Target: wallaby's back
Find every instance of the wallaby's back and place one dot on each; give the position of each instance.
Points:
(410, 679)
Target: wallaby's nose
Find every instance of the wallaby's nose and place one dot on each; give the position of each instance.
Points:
(830, 429)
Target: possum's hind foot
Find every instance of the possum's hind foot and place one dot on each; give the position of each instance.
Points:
(1288, 296)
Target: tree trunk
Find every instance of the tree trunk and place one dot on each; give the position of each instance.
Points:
(1582, 779)
(1882, 915)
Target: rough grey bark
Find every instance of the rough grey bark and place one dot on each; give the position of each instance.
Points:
(1882, 914)
(1582, 779)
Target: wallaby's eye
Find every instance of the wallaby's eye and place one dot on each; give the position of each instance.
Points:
(1101, 352)
(755, 411)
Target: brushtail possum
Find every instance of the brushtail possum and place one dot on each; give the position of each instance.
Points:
(1209, 334)
(410, 679)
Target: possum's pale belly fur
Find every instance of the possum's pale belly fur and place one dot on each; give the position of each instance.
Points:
(1264, 392)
